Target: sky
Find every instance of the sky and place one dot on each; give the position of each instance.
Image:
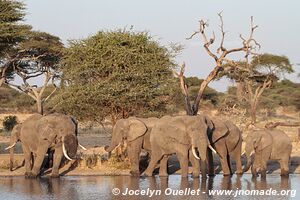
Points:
(172, 21)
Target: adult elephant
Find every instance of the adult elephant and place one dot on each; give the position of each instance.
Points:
(40, 133)
(226, 138)
(14, 138)
(268, 144)
(183, 136)
(136, 132)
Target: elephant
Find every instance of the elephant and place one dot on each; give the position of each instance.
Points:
(14, 138)
(136, 132)
(39, 133)
(226, 139)
(268, 144)
(183, 136)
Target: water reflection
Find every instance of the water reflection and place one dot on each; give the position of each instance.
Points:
(100, 187)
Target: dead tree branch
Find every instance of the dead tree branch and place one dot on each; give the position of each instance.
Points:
(248, 45)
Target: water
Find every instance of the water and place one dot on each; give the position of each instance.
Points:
(100, 187)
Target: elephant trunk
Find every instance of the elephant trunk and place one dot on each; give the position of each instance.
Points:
(115, 141)
(249, 161)
(197, 146)
(13, 141)
(69, 146)
(11, 159)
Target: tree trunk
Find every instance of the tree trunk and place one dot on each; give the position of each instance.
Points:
(203, 85)
(39, 104)
(253, 113)
(1, 81)
(240, 90)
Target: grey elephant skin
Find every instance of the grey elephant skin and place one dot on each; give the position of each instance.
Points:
(14, 138)
(39, 133)
(226, 138)
(136, 132)
(268, 144)
(183, 136)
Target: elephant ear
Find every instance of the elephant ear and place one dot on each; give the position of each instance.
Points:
(136, 129)
(219, 130)
(209, 123)
(262, 141)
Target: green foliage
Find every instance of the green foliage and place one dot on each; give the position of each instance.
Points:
(193, 84)
(12, 100)
(269, 63)
(9, 122)
(283, 93)
(116, 73)
(11, 31)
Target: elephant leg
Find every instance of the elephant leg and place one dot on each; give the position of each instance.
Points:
(236, 153)
(57, 156)
(184, 163)
(40, 155)
(156, 155)
(163, 168)
(134, 150)
(284, 165)
(254, 167)
(224, 156)
(225, 165)
(195, 164)
(210, 161)
(27, 158)
(263, 169)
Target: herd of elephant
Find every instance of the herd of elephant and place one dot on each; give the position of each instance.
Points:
(191, 138)
(195, 139)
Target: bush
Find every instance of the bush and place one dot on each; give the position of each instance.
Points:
(9, 122)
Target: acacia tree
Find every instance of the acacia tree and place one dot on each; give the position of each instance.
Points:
(11, 33)
(38, 57)
(220, 57)
(257, 75)
(116, 74)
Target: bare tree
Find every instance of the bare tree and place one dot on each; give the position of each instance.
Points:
(38, 57)
(257, 76)
(220, 59)
(34, 91)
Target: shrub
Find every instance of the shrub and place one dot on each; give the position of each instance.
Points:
(9, 122)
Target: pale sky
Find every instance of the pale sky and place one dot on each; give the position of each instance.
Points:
(171, 21)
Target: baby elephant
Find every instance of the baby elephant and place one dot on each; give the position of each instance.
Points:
(268, 144)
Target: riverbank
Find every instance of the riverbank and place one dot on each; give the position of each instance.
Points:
(93, 163)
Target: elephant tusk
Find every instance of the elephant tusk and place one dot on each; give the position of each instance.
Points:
(82, 147)
(65, 152)
(118, 145)
(252, 152)
(194, 153)
(243, 152)
(11, 146)
(213, 150)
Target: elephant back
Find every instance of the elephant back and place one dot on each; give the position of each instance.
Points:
(282, 144)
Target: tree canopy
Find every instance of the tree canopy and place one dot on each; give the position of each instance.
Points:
(38, 55)
(118, 74)
(254, 77)
(12, 31)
